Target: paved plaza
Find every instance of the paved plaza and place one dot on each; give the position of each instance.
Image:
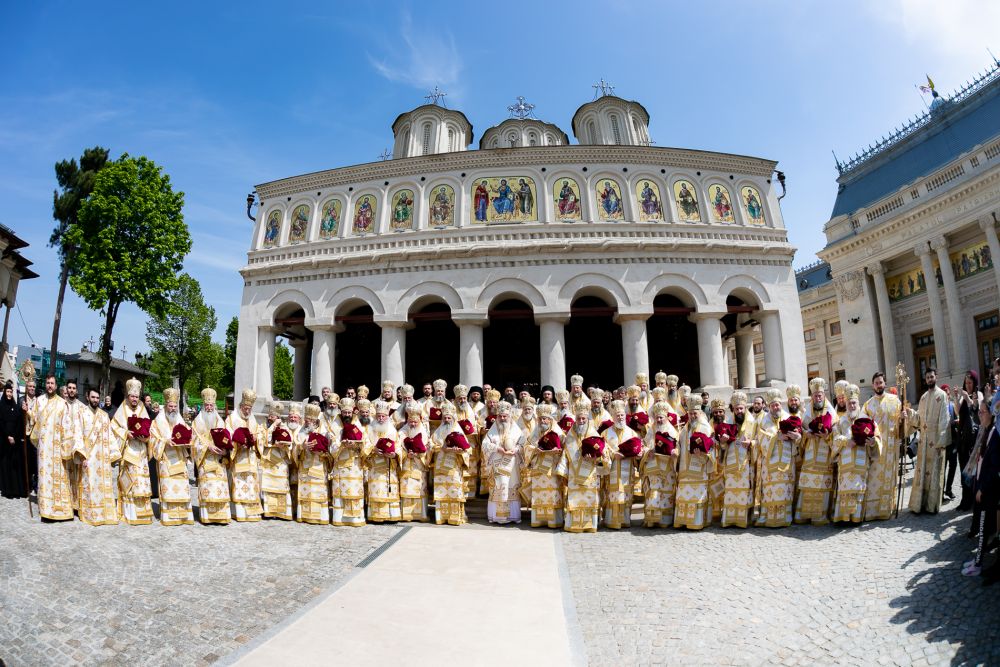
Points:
(882, 593)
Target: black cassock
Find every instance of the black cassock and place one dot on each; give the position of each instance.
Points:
(12, 482)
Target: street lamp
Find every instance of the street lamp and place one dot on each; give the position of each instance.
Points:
(250, 201)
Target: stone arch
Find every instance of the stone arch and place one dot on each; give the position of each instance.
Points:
(510, 288)
(289, 297)
(351, 297)
(423, 293)
(688, 291)
(745, 287)
(593, 284)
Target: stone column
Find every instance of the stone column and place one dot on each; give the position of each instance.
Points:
(470, 347)
(746, 371)
(889, 356)
(324, 344)
(774, 360)
(934, 301)
(302, 363)
(552, 342)
(394, 351)
(710, 349)
(988, 226)
(960, 346)
(265, 366)
(635, 353)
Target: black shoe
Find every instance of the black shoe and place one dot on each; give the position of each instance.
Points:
(949, 495)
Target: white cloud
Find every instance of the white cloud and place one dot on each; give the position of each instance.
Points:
(421, 56)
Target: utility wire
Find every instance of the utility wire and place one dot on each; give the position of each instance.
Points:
(23, 324)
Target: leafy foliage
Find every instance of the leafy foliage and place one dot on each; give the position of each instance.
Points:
(229, 362)
(130, 244)
(284, 381)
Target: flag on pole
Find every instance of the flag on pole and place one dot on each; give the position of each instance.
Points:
(929, 88)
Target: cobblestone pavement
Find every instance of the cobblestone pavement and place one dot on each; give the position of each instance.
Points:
(882, 593)
(152, 595)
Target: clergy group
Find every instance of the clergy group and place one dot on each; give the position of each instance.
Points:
(575, 460)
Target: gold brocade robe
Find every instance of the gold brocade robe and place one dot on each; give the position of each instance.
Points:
(244, 469)
(413, 475)
(659, 480)
(504, 471)
(135, 491)
(619, 487)
(774, 493)
(449, 477)
(852, 471)
(583, 481)
(347, 477)
(213, 478)
(274, 468)
(383, 475)
(466, 411)
(547, 488)
(96, 481)
(694, 469)
(816, 468)
(737, 468)
(52, 431)
(883, 473)
(171, 468)
(312, 471)
(934, 422)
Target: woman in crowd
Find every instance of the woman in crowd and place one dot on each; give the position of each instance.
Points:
(966, 400)
(12, 478)
(986, 487)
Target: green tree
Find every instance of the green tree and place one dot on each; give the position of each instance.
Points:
(229, 367)
(77, 182)
(284, 383)
(183, 334)
(209, 371)
(130, 244)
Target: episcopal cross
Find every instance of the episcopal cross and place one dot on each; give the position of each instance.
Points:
(602, 88)
(521, 109)
(437, 96)
(385, 155)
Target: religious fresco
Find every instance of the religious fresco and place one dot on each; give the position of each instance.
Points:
(299, 224)
(971, 260)
(753, 204)
(272, 229)
(441, 206)
(503, 199)
(329, 222)
(650, 205)
(906, 284)
(566, 194)
(364, 214)
(687, 202)
(610, 205)
(402, 210)
(720, 203)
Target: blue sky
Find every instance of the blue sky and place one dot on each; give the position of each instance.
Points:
(228, 95)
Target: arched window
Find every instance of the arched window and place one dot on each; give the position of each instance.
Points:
(406, 143)
(495, 143)
(426, 148)
(592, 132)
(511, 140)
(532, 139)
(451, 139)
(615, 130)
(635, 127)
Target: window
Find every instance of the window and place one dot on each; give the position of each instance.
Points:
(495, 143)
(406, 143)
(425, 149)
(635, 127)
(839, 375)
(511, 140)
(532, 139)
(758, 348)
(835, 328)
(451, 140)
(809, 335)
(615, 130)
(813, 370)
(592, 132)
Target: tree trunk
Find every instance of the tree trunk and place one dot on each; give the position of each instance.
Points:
(57, 319)
(109, 325)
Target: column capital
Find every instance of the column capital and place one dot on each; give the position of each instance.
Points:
(474, 318)
(270, 328)
(388, 322)
(921, 249)
(297, 342)
(631, 317)
(707, 315)
(876, 269)
(939, 243)
(986, 223)
(317, 324)
(556, 316)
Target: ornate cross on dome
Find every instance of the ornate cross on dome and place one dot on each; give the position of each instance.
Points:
(602, 88)
(385, 155)
(437, 96)
(521, 109)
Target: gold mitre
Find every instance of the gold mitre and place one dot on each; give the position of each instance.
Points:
(528, 400)
(562, 395)
(693, 402)
(133, 387)
(618, 407)
(683, 390)
(672, 380)
(717, 404)
(362, 391)
(249, 397)
(406, 391)
(661, 377)
(312, 411)
(853, 391)
(642, 378)
(414, 410)
(773, 395)
(816, 385)
(381, 407)
(660, 408)
(840, 388)
(387, 384)
(547, 411)
(363, 404)
(460, 391)
(633, 391)
(581, 408)
(295, 409)
(346, 403)
(440, 385)
(493, 395)
(171, 395)
(595, 393)
(738, 398)
(576, 380)
(659, 394)
(273, 409)
(793, 390)
(208, 395)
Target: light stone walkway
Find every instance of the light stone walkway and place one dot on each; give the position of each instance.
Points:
(439, 596)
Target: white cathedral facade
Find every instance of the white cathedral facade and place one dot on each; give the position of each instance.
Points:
(522, 262)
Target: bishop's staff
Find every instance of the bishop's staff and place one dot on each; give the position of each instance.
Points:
(901, 381)
(27, 375)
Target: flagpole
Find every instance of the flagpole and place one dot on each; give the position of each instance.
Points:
(921, 96)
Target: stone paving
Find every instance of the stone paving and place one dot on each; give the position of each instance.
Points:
(882, 593)
(152, 595)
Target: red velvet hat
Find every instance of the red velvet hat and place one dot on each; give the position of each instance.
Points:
(139, 426)
(701, 441)
(281, 434)
(351, 432)
(793, 423)
(725, 429)
(592, 446)
(244, 437)
(467, 426)
(664, 443)
(549, 441)
(631, 447)
(221, 438)
(862, 429)
(566, 423)
(180, 435)
(318, 442)
(386, 446)
(415, 444)
(637, 419)
(822, 424)
(456, 439)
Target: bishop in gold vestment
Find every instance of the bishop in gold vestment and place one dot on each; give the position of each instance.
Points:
(885, 410)
(312, 462)
(244, 460)
(351, 446)
(382, 465)
(275, 463)
(451, 459)
(211, 463)
(503, 451)
(135, 491)
(853, 457)
(542, 453)
(697, 461)
(737, 464)
(815, 457)
(659, 468)
(584, 462)
(775, 488)
(625, 453)
(415, 465)
(96, 454)
(171, 462)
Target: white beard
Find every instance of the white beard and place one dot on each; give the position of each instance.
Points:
(173, 418)
(853, 414)
(580, 428)
(211, 419)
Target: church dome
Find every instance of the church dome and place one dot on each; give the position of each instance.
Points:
(517, 132)
(430, 129)
(611, 120)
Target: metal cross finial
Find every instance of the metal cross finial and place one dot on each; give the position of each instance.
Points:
(385, 155)
(436, 96)
(602, 88)
(521, 109)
